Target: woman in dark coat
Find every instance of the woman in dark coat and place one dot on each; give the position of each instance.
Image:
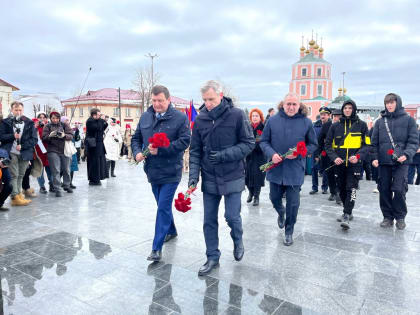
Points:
(254, 177)
(94, 147)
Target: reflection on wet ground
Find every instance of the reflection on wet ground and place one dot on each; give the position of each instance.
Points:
(87, 255)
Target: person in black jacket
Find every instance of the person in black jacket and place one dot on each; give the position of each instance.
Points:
(18, 137)
(164, 165)
(221, 139)
(346, 145)
(254, 177)
(415, 165)
(394, 143)
(321, 155)
(94, 147)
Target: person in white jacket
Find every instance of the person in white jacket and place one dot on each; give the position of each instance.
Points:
(112, 142)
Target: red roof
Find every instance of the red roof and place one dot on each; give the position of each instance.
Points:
(4, 83)
(111, 94)
(411, 106)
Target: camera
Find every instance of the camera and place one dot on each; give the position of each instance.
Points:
(41, 124)
(60, 134)
(5, 161)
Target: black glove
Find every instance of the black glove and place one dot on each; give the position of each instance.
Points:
(215, 157)
(192, 182)
(116, 140)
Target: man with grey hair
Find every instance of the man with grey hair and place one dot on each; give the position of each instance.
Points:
(282, 132)
(221, 139)
(164, 165)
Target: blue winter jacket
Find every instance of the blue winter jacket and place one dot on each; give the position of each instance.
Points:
(166, 166)
(282, 133)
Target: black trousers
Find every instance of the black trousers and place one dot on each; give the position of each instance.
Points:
(332, 182)
(26, 181)
(7, 186)
(392, 186)
(347, 182)
(254, 191)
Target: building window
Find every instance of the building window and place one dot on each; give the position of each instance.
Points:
(319, 90)
(116, 112)
(80, 111)
(303, 90)
(127, 112)
(319, 72)
(304, 72)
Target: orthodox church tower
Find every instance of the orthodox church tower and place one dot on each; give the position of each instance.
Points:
(311, 78)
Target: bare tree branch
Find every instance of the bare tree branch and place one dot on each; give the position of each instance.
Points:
(143, 85)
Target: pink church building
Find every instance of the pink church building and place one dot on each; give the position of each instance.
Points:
(311, 78)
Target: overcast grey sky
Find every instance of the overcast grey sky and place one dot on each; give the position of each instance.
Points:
(48, 46)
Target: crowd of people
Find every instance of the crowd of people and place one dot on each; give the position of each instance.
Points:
(228, 151)
(50, 147)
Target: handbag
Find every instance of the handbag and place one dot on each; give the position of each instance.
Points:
(90, 142)
(69, 148)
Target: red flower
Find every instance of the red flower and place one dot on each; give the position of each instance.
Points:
(390, 152)
(295, 153)
(183, 202)
(323, 153)
(301, 149)
(259, 132)
(358, 156)
(159, 140)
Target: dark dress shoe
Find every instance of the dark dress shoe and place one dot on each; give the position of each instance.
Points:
(113, 175)
(155, 255)
(168, 237)
(238, 251)
(95, 183)
(69, 190)
(72, 186)
(249, 199)
(313, 192)
(387, 223)
(324, 192)
(288, 239)
(280, 220)
(256, 201)
(400, 224)
(331, 197)
(208, 267)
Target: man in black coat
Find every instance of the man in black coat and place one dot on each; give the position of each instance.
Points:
(413, 166)
(18, 137)
(394, 143)
(322, 156)
(347, 145)
(164, 165)
(221, 139)
(94, 147)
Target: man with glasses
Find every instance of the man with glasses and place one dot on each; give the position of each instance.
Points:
(282, 132)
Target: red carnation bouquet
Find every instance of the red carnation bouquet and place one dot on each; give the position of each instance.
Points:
(323, 153)
(159, 140)
(299, 149)
(183, 202)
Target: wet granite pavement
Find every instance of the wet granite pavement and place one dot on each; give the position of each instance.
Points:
(85, 253)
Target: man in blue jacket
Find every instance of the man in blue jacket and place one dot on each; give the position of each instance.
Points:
(221, 139)
(164, 165)
(282, 132)
(394, 143)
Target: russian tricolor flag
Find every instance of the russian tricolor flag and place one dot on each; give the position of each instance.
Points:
(191, 113)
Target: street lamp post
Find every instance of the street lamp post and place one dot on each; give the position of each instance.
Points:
(152, 57)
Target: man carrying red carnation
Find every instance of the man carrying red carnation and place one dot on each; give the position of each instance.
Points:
(163, 165)
(283, 131)
(394, 143)
(221, 139)
(346, 145)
